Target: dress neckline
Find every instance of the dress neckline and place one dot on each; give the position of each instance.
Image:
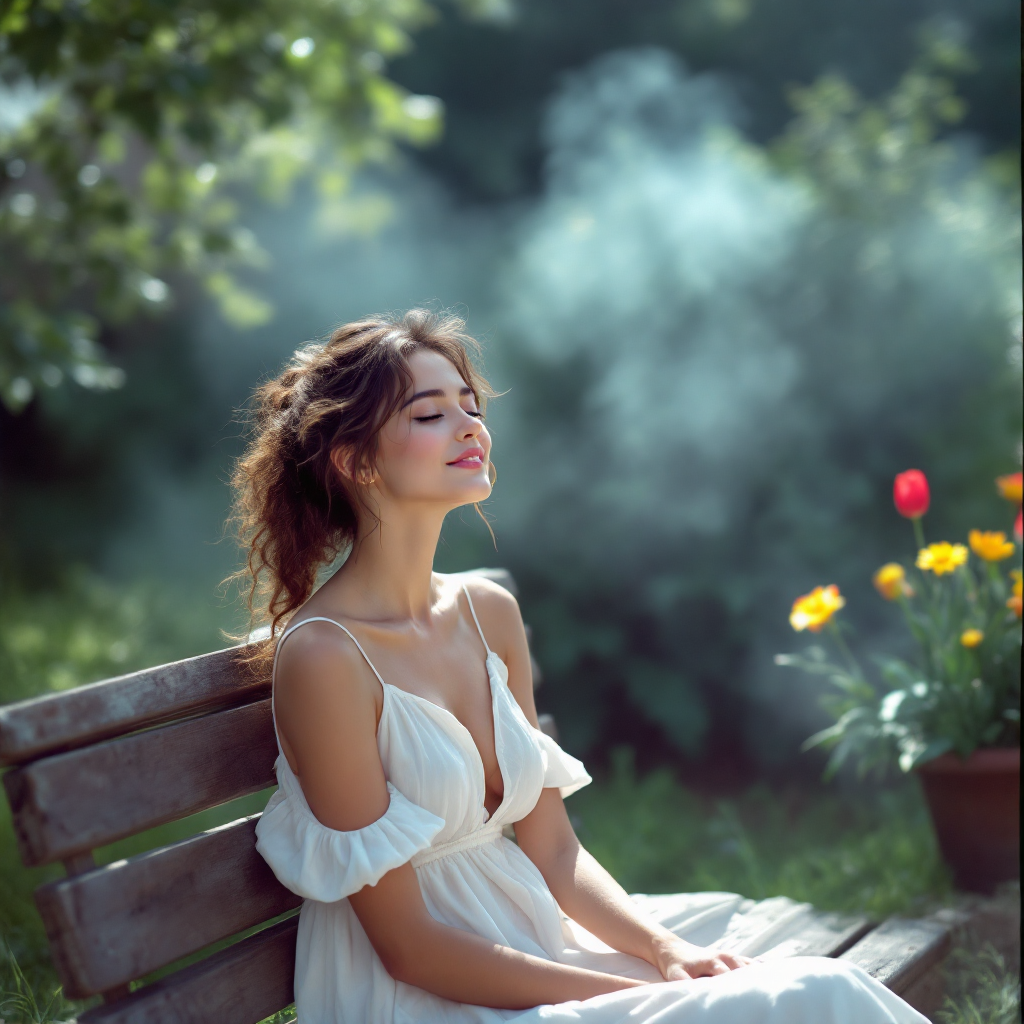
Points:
(386, 686)
(463, 730)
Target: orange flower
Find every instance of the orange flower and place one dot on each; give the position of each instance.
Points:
(1017, 598)
(941, 558)
(1011, 487)
(813, 610)
(991, 545)
(891, 581)
(971, 637)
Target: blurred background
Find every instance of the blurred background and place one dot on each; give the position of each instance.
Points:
(735, 263)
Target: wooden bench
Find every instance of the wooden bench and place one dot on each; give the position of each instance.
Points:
(103, 762)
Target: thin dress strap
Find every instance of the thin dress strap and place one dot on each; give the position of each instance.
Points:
(344, 629)
(472, 611)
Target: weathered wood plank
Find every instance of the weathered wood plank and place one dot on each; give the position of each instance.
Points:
(121, 921)
(899, 951)
(238, 985)
(88, 714)
(77, 801)
(823, 934)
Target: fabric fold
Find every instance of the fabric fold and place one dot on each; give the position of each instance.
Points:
(322, 864)
(561, 770)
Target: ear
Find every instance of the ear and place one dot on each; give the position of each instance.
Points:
(343, 461)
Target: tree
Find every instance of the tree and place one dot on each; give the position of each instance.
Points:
(129, 129)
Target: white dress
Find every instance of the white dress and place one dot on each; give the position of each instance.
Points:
(474, 878)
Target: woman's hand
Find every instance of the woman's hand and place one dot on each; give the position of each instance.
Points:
(679, 960)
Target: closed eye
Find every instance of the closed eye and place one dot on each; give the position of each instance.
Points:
(439, 415)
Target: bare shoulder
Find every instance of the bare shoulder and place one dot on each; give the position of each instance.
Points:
(494, 604)
(322, 657)
(327, 703)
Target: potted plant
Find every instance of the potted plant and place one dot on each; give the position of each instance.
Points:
(952, 713)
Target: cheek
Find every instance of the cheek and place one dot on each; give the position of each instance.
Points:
(416, 453)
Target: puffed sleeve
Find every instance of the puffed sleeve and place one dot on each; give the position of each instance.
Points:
(561, 770)
(320, 864)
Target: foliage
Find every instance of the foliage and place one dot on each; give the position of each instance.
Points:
(24, 1000)
(132, 129)
(85, 629)
(981, 988)
(961, 692)
(869, 159)
(874, 856)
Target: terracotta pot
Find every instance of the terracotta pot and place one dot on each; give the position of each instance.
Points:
(975, 806)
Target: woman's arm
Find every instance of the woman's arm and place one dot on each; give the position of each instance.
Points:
(327, 710)
(591, 897)
(583, 889)
(419, 950)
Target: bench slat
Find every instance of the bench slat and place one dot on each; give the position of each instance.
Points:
(825, 934)
(239, 985)
(69, 803)
(899, 951)
(126, 919)
(88, 714)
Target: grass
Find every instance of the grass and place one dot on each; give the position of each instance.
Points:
(28, 1000)
(980, 988)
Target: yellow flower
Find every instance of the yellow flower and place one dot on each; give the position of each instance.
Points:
(891, 581)
(971, 637)
(941, 558)
(1011, 487)
(813, 610)
(1017, 599)
(991, 545)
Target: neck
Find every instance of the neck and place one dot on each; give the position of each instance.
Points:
(388, 575)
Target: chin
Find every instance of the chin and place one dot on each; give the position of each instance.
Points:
(469, 494)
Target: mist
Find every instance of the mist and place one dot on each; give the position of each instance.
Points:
(711, 374)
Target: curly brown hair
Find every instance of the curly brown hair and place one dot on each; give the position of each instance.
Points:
(293, 512)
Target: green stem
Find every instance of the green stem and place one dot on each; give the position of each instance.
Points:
(844, 650)
(918, 532)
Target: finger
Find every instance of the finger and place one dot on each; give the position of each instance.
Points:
(717, 966)
(733, 962)
(676, 972)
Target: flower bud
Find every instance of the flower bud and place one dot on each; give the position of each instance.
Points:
(910, 494)
(971, 637)
(891, 581)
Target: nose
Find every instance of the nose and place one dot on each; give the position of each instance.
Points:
(471, 427)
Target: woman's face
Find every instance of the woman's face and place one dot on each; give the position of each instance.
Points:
(436, 448)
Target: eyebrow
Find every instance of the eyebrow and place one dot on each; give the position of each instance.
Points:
(435, 393)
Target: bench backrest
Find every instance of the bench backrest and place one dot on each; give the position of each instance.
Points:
(110, 760)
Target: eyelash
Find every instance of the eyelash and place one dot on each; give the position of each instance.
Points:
(438, 415)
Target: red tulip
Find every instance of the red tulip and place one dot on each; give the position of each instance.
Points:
(1018, 527)
(910, 493)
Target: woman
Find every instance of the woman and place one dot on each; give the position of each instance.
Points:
(408, 738)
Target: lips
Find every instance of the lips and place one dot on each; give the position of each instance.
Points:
(471, 458)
